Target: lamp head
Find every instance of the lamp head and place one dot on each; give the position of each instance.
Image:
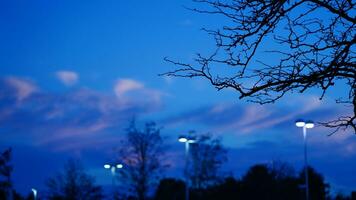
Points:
(34, 191)
(300, 123)
(192, 140)
(182, 139)
(309, 124)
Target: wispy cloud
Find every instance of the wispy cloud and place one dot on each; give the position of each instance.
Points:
(124, 86)
(52, 119)
(130, 91)
(68, 78)
(247, 118)
(23, 87)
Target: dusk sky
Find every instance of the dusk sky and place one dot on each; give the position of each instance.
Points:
(73, 73)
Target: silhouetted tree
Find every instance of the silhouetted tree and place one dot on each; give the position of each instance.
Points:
(312, 41)
(73, 184)
(5, 174)
(141, 154)
(229, 189)
(171, 189)
(341, 196)
(270, 182)
(207, 157)
(318, 188)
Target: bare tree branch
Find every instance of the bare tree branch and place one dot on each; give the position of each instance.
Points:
(315, 42)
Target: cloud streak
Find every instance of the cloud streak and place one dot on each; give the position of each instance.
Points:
(54, 120)
(23, 88)
(123, 86)
(68, 78)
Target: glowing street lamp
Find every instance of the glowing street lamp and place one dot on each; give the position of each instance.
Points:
(113, 168)
(34, 191)
(305, 125)
(187, 141)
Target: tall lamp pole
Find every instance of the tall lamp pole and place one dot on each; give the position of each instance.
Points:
(187, 141)
(34, 191)
(305, 125)
(113, 168)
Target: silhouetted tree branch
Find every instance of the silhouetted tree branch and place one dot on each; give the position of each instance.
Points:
(73, 184)
(5, 174)
(141, 154)
(207, 157)
(314, 39)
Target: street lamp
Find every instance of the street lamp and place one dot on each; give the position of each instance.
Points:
(305, 125)
(34, 191)
(187, 141)
(113, 168)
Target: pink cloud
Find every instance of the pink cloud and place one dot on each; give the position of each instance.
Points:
(68, 78)
(74, 132)
(132, 92)
(23, 88)
(124, 86)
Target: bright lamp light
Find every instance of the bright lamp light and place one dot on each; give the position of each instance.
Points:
(34, 192)
(119, 166)
(182, 139)
(191, 141)
(300, 123)
(309, 124)
(107, 166)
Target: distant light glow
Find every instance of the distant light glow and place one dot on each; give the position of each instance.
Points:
(182, 139)
(309, 124)
(34, 192)
(300, 123)
(119, 166)
(191, 141)
(107, 166)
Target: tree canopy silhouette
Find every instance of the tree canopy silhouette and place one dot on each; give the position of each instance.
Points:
(207, 155)
(313, 45)
(141, 154)
(170, 188)
(73, 184)
(5, 174)
(276, 181)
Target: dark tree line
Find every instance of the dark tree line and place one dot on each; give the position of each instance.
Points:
(276, 182)
(142, 155)
(73, 184)
(313, 40)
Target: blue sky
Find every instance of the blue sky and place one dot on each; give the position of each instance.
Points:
(72, 73)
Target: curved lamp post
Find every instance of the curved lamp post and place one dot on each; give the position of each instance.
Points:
(305, 125)
(113, 168)
(187, 141)
(34, 191)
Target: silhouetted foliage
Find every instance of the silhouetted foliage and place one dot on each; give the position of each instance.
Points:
(207, 157)
(73, 184)
(318, 189)
(313, 45)
(340, 196)
(277, 181)
(228, 189)
(171, 189)
(5, 174)
(141, 154)
(270, 182)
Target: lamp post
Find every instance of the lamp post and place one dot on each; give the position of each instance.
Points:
(34, 191)
(187, 141)
(305, 125)
(113, 168)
